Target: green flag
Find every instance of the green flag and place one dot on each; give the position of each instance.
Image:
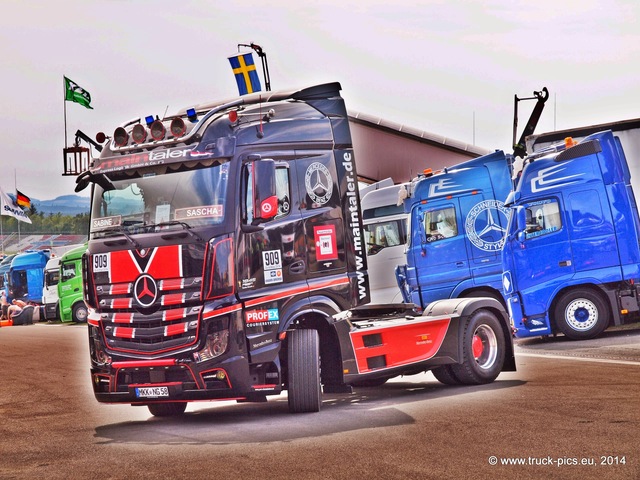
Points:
(75, 93)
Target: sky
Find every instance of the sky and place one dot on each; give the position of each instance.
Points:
(449, 67)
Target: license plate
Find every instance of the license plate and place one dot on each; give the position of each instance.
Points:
(152, 392)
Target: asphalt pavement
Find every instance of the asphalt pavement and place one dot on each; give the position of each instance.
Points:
(570, 411)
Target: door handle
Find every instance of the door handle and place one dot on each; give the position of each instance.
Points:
(297, 267)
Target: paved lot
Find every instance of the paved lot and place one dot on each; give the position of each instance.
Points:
(568, 403)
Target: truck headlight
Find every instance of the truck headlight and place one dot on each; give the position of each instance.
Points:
(215, 345)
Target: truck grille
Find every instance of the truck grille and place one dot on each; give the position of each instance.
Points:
(150, 310)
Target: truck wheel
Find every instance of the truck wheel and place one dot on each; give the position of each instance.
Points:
(483, 350)
(79, 313)
(581, 314)
(303, 360)
(444, 374)
(170, 409)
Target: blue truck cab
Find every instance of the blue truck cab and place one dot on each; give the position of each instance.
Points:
(457, 225)
(571, 260)
(26, 275)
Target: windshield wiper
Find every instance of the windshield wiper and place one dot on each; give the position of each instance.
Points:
(124, 232)
(185, 226)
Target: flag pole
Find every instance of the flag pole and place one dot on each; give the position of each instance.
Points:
(64, 103)
(1, 232)
(15, 183)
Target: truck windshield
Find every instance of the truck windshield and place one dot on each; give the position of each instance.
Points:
(51, 277)
(144, 201)
(384, 234)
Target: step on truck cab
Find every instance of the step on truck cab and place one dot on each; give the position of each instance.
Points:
(226, 260)
(571, 259)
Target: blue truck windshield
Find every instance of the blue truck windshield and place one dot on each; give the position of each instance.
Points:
(146, 200)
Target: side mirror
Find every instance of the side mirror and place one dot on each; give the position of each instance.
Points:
(82, 181)
(265, 200)
(421, 231)
(521, 223)
(86, 177)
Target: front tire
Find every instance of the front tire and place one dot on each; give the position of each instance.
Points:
(169, 409)
(483, 351)
(581, 314)
(303, 360)
(79, 313)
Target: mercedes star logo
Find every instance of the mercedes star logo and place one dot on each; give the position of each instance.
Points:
(145, 290)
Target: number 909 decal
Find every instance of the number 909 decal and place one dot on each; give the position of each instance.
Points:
(101, 262)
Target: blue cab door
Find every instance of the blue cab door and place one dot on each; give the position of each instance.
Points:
(438, 251)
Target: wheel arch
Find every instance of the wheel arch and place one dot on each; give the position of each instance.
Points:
(483, 291)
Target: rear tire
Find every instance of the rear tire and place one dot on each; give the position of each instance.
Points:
(444, 374)
(170, 409)
(303, 360)
(581, 314)
(483, 350)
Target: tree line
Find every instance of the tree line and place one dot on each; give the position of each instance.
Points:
(51, 223)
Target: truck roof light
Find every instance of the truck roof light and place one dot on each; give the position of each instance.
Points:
(177, 127)
(120, 136)
(427, 172)
(157, 130)
(569, 142)
(149, 120)
(233, 116)
(100, 137)
(139, 133)
(192, 115)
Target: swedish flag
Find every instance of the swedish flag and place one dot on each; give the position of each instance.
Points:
(246, 74)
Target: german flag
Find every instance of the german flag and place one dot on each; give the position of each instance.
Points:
(22, 200)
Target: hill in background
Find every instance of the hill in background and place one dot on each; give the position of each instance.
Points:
(65, 204)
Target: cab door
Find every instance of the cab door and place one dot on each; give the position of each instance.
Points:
(545, 256)
(439, 254)
(271, 253)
